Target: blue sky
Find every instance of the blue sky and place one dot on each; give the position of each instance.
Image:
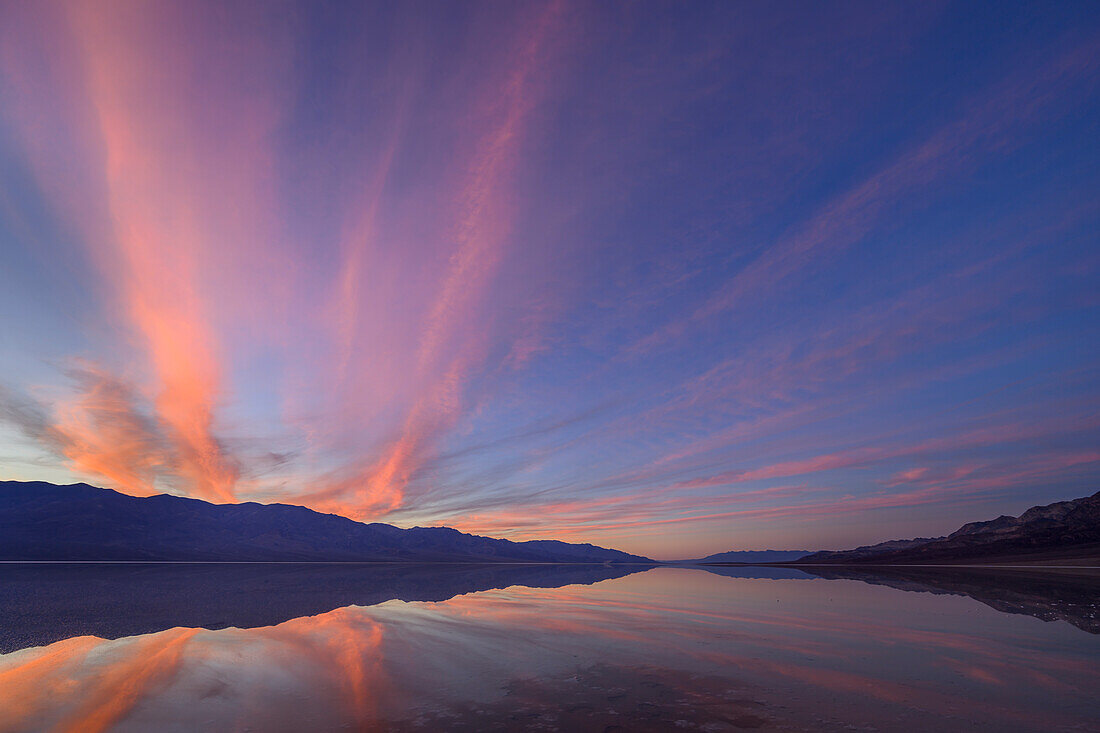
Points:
(674, 278)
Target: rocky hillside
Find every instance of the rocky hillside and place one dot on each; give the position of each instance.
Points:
(1066, 531)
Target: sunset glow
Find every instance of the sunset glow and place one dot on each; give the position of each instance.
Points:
(673, 279)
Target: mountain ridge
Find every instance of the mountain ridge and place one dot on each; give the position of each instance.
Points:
(44, 521)
(1064, 530)
(751, 556)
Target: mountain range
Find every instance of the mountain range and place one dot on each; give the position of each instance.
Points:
(78, 522)
(1062, 532)
(46, 522)
(749, 557)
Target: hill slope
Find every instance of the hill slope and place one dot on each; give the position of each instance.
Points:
(1066, 531)
(42, 521)
(753, 556)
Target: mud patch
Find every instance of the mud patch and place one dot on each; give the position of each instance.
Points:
(610, 699)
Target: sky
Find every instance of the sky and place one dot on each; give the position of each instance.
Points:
(675, 278)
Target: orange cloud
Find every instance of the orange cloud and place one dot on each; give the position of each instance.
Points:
(102, 432)
(159, 241)
(163, 176)
(450, 346)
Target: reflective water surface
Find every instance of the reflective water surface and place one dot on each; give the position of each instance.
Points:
(356, 647)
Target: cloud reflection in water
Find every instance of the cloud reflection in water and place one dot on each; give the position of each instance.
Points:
(793, 653)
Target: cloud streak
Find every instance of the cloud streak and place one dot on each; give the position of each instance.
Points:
(539, 271)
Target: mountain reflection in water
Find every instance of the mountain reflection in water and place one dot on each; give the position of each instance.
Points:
(665, 648)
(1071, 595)
(43, 603)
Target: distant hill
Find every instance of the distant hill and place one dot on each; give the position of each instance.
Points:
(1064, 532)
(43, 521)
(867, 551)
(753, 556)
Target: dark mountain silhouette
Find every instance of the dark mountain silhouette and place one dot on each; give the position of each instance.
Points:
(1064, 532)
(749, 557)
(869, 551)
(42, 521)
(44, 603)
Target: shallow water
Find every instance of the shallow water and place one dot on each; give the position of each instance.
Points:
(309, 647)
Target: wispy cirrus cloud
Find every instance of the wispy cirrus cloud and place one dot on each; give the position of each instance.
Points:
(553, 269)
(101, 428)
(988, 123)
(481, 234)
